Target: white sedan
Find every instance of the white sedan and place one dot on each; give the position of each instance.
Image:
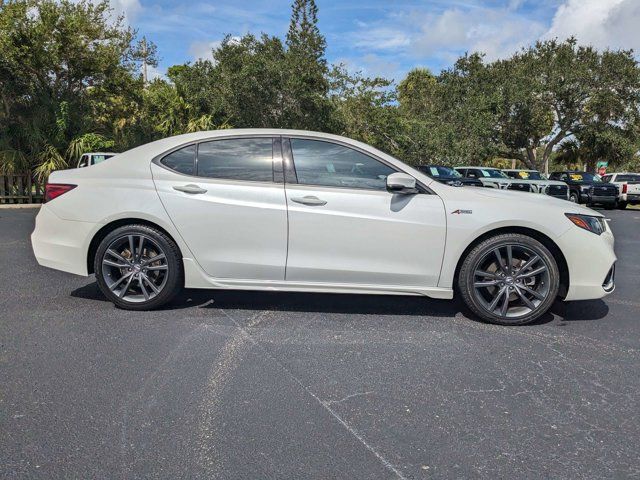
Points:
(293, 210)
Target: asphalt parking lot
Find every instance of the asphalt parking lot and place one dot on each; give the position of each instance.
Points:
(255, 385)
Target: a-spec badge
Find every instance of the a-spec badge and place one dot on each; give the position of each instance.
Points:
(462, 212)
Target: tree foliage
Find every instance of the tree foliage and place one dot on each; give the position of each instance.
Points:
(70, 82)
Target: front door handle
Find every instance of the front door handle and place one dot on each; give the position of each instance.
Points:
(309, 200)
(191, 188)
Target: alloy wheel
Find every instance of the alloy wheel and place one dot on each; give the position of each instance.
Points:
(135, 268)
(511, 281)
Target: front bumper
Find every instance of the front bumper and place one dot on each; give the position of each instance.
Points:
(590, 260)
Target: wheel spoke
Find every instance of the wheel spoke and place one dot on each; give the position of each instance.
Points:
(140, 244)
(529, 263)
(150, 283)
(488, 283)
(533, 273)
(157, 267)
(142, 287)
(538, 295)
(152, 260)
(498, 255)
(496, 299)
(126, 287)
(115, 254)
(509, 260)
(111, 263)
(120, 280)
(132, 249)
(505, 304)
(524, 298)
(482, 273)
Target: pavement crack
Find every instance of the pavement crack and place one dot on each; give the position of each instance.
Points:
(359, 394)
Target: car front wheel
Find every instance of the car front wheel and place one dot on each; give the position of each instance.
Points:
(138, 267)
(509, 279)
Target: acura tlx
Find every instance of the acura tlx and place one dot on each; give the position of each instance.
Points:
(292, 210)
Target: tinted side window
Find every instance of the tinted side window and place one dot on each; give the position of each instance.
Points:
(237, 159)
(181, 160)
(628, 178)
(331, 165)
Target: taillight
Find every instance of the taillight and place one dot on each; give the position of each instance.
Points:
(624, 188)
(54, 190)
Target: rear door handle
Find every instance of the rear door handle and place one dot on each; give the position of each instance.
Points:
(309, 200)
(191, 188)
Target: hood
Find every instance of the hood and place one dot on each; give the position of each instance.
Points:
(535, 200)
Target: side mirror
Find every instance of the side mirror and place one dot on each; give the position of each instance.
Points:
(401, 183)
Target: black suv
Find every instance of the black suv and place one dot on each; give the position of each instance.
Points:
(588, 188)
(448, 176)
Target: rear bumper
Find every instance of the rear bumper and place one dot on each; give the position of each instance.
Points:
(602, 199)
(631, 198)
(61, 244)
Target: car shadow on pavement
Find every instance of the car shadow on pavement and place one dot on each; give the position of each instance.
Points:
(347, 304)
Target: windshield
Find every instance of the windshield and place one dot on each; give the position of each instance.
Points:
(492, 173)
(584, 177)
(437, 171)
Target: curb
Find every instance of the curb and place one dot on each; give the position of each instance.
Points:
(9, 206)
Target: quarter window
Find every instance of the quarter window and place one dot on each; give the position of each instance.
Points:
(237, 159)
(182, 160)
(332, 165)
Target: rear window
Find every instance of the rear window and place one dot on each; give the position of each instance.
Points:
(181, 161)
(628, 178)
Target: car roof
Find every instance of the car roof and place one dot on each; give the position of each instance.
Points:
(519, 170)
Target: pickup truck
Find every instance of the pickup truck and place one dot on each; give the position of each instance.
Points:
(588, 188)
(88, 159)
(628, 187)
(554, 188)
(496, 178)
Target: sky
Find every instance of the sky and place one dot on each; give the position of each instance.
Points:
(388, 38)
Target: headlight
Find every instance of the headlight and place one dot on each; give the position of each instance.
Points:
(588, 222)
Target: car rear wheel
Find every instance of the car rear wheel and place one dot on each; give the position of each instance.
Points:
(138, 267)
(622, 205)
(573, 196)
(509, 279)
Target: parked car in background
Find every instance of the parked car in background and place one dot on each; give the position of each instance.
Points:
(588, 188)
(494, 178)
(291, 210)
(88, 159)
(448, 176)
(628, 187)
(539, 182)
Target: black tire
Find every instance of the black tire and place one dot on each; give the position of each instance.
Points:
(172, 276)
(473, 296)
(610, 206)
(622, 205)
(573, 197)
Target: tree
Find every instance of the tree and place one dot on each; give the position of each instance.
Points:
(305, 96)
(59, 58)
(557, 90)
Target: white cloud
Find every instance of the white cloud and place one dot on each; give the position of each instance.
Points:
(129, 8)
(498, 32)
(601, 23)
(204, 50)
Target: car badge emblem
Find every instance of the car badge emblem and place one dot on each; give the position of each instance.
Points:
(462, 212)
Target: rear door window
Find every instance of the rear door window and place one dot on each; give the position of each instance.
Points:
(249, 159)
